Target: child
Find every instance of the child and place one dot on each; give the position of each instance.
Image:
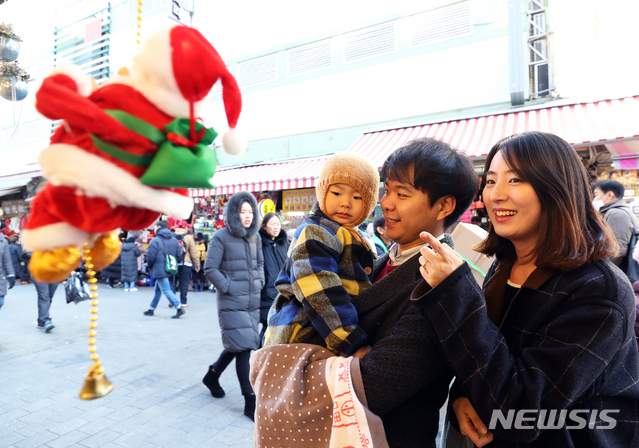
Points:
(329, 261)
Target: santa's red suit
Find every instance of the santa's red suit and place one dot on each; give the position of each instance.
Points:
(88, 189)
(92, 191)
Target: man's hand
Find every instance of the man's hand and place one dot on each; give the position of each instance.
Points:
(470, 424)
(361, 352)
(197, 269)
(12, 280)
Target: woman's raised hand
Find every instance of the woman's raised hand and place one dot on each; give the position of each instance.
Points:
(437, 261)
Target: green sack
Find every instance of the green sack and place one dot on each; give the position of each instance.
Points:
(170, 265)
(176, 166)
(170, 262)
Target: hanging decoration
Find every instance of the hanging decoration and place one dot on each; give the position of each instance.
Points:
(13, 81)
(96, 163)
(9, 43)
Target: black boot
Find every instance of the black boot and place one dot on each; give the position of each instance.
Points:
(211, 380)
(249, 406)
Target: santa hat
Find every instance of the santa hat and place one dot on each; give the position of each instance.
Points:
(181, 61)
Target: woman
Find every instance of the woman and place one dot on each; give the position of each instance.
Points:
(129, 256)
(198, 276)
(139, 243)
(113, 271)
(550, 336)
(274, 246)
(235, 265)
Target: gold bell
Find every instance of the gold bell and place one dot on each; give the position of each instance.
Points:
(95, 386)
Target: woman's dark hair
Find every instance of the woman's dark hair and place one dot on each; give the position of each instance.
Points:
(571, 232)
(130, 239)
(437, 169)
(267, 218)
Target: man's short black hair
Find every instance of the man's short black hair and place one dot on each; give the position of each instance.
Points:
(437, 169)
(607, 185)
(379, 221)
(162, 224)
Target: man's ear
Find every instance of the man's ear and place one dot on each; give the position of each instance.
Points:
(445, 206)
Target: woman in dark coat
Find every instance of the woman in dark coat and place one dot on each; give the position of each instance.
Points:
(113, 271)
(549, 336)
(235, 265)
(129, 256)
(274, 246)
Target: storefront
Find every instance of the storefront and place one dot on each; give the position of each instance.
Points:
(605, 134)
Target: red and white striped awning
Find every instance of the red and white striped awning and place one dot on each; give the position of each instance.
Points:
(288, 175)
(609, 122)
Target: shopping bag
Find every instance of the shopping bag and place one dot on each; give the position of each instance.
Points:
(170, 262)
(75, 289)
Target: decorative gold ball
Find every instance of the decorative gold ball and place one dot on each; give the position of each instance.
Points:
(105, 250)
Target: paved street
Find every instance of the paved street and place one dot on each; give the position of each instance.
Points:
(155, 363)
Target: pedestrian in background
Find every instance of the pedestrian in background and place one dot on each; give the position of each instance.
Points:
(140, 245)
(235, 265)
(16, 257)
(113, 272)
(608, 199)
(274, 247)
(6, 269)
(191, 259)
(198, 275)
(162, 245)
(45, 293)
(129, 262)
(382, 243)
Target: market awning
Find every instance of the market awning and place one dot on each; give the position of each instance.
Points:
(285, 175)
(614, 123)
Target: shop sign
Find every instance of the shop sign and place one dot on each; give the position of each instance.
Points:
(266, 206)
(14, 207)
(298, 200)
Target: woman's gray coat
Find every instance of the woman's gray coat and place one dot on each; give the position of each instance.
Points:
(130, 254)
(235, 265)
(6, 269)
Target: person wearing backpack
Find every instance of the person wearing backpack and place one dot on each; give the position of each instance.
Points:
(163, 254)
(198, 275)
(608, 198)
(190, 261)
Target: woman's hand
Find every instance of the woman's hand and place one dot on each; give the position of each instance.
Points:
(470, 424)
(439, 262)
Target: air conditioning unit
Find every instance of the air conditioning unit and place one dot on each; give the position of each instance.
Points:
(538, 22)
(536, 5)
(541, 79)
(538, 48)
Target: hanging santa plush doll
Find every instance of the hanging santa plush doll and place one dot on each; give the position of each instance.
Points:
(126, 152)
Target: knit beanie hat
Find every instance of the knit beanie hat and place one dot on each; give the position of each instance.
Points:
(355, 171)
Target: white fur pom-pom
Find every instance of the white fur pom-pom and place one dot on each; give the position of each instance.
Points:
(82, 80)
(233, 143)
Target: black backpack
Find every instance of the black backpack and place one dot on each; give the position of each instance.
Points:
(180, 240)
(629, 265)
